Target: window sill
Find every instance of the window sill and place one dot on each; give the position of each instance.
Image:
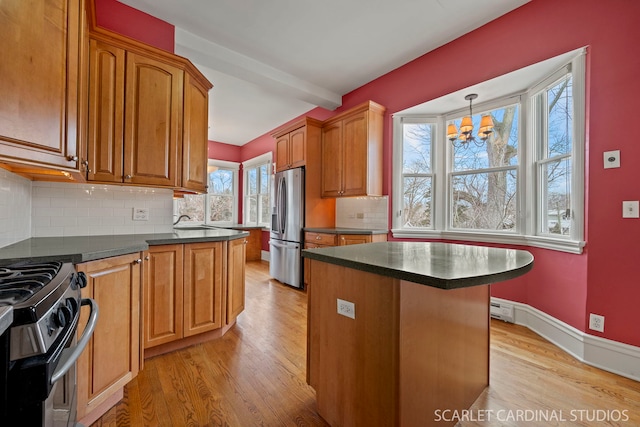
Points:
(561, 245)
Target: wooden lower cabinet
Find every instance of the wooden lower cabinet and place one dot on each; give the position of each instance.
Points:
(191, 290)
(203, 283)
(112, 357)
(163, 296)
(237, 251)
(320, 240)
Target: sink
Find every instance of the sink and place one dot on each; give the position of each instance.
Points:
(196, 227)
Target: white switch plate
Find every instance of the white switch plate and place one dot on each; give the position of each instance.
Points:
(141, 214)
(346, 308)
(631, 209)
(612, 159)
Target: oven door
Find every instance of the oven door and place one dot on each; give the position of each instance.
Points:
(61, 404)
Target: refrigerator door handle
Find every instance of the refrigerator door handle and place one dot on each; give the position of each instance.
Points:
(283, 205)
(283, 245)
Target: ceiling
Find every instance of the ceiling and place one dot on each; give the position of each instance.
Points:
(271, 61)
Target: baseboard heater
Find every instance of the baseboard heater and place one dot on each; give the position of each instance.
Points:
(502, 311)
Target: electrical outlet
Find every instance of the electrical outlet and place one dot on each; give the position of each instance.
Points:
(360, 215)
(596, 322)
(346, 308)
(141, 214)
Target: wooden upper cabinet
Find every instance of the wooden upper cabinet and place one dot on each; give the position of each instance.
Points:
(105, 140)
(352, 152)
(195, 140)
(40, 83)
(291, 143)
(153, 119)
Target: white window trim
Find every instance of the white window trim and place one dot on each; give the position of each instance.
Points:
(235, 167)
(262, 159)
(527, 187)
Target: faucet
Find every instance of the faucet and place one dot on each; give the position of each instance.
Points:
(180, 218)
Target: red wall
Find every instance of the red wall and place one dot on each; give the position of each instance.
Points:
(604, 279)
(226, 152)
(133, 23)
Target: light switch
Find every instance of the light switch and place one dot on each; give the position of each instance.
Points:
(612, 159)
(631, 209)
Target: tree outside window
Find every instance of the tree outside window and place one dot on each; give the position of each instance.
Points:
(484, 179)
(417, 174)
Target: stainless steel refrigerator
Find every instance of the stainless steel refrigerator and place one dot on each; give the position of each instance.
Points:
(287, 221)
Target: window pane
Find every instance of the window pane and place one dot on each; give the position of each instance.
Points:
(560, 125)
(264, 179)
(416, 151)
(500, 148)
(416, 211)
(221, 207)
(265, 215)
(556, 200)
(221, 182)
(192, 205)
(252, 209)
(484, 201)
(252, 181)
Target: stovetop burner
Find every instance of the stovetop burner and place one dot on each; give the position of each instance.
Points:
(18, 282)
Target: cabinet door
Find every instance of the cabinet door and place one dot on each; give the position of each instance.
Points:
(106, 112)
(39, 81)
(162, 305)
(203, 282)
(235, 278)
(195, 139)
(153, 116)
(112, 356)
(282, 153)
(355, 151)
(297, 147)
(332, 160)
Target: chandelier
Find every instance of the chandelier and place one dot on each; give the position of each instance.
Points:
(466, 128)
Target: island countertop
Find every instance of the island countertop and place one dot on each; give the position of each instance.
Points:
(440, 265)
(77, 249)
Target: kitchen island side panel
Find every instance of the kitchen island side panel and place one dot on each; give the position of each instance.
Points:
(444, 351)
(353, 362)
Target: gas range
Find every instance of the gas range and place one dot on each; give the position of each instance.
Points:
(39, 350)
(45, 298)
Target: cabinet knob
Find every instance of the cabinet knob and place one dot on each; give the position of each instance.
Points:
(318, 237)
(72, 158)
(128, 177)
(245, 242)
(146, 258)
(138, 261)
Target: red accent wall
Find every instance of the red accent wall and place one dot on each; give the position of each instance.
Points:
(604, 279)
(222, 151)
(133, 23)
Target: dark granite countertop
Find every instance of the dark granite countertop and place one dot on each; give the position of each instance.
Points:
(344, 230)
(78, 249)
(441, 265)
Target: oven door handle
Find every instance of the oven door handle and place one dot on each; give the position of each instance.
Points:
(70, 355)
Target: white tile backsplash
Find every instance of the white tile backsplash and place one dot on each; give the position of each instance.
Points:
(363, 212)
(69, 209)
(15, 208)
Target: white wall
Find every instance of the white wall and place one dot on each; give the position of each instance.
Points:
(15, 208)
(373, 210)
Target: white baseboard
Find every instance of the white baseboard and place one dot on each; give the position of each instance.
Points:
(265, 256)
(619, 358)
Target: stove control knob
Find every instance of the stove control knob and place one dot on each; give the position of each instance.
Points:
(78, 279)
(62, 316)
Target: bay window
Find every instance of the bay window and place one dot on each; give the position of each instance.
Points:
(257, 185)
(523, 185)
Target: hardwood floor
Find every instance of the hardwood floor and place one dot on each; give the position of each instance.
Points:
(255, 376)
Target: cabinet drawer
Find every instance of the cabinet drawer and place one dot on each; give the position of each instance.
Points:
(321, 238)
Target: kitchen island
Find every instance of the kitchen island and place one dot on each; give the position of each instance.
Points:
(398, 331)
